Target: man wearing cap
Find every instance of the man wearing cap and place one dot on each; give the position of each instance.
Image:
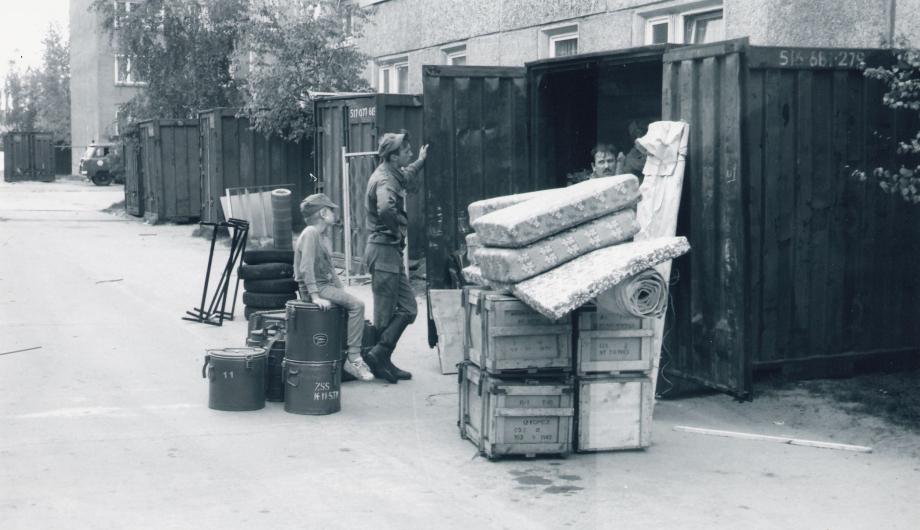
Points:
(318, 282)
(385, 203)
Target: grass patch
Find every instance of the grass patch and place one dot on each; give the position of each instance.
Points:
(894, 397)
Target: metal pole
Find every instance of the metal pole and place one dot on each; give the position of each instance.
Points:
(346, 216)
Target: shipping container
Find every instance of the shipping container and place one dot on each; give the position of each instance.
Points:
(233, 155)
(356, 122)
(62, 159)
(28, 155)
(171, 170)
(133, 156)
(796, 264)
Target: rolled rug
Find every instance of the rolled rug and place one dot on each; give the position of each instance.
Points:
(282, 225)
(644, 295)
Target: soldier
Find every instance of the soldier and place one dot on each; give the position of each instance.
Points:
(385, 202)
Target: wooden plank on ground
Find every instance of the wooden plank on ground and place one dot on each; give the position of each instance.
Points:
(781, 439)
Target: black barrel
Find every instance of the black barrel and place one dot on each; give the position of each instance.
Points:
(312, 388)
(274, 377)
(236, 378)
(313, 334)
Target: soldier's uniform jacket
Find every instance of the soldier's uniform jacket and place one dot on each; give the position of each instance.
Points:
(385, 204)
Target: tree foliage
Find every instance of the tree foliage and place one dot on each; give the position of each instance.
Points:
(295, 48)
(39, 98)
(902, 82)
(263, 56)
(180, 49)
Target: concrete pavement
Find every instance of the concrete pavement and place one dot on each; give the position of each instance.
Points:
(106, 425)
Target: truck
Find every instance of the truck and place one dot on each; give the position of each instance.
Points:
(102, 164)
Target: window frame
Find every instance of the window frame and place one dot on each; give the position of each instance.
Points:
(388, 74)
(562, 37)
(128, 81)
(452, 53)
(676, 17)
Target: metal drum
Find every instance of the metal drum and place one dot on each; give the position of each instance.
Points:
(236, 378)
(314, 335)
(312, 388)
(274, 377)
(265, 320)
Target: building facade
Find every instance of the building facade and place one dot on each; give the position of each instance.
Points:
(403, 35)
(100, 80)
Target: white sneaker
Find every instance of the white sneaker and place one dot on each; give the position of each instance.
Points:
(359, 369)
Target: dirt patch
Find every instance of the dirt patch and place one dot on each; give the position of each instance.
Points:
(892, 397)
(115, 207)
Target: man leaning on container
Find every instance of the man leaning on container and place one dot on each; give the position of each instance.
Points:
(385, 202)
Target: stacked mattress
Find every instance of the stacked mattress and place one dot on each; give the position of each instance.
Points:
(557, 249)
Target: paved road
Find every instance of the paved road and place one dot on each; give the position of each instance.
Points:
(106, 424)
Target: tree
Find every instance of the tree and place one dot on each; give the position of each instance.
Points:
(51, 87)
(292, 49)
(180, 50)
(902, 81)
(19, 100)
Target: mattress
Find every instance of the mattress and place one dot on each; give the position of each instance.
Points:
(473, 275)
(472, 245)
(510, 265)
(548, 214)
(479, 208)
(557, 292)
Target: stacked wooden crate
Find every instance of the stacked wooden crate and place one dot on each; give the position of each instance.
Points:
(613, 367)
(516, 388)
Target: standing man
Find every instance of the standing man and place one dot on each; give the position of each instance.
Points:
(385, 203)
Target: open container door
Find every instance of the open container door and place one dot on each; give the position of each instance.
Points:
(476, 124)
(703, 86)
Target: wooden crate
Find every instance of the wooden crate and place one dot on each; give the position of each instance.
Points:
(505, 335)
(613, 413)
(608, 343)
(515, 417)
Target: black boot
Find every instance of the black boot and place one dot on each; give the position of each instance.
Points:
(378, 361)
(390, 336)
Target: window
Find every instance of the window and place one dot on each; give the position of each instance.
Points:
(696, 26)
(393, 77)
(125, 74)
(455, 55)
(705, 27)
(658, 30)
(121, 10)
(563, 45)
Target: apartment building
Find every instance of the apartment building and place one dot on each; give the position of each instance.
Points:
(100, 80)
(403, 35)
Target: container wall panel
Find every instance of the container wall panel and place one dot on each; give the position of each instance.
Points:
(134, 167)
(831, 256)
(235, 156)
(476, 124)
(171, 170)
(708, 339)
(356, 123)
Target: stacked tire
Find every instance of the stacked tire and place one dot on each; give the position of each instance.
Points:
(268, 279)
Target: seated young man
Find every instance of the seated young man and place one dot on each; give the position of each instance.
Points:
(318, 282)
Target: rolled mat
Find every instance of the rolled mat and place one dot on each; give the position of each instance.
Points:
(548, 214)
(509, 265)
(644, 295)
(282, 227)
(557, 292)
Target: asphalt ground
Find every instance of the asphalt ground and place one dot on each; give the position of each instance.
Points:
(104, 420)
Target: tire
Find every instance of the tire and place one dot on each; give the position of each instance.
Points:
(102, 179)
(268, 255)
(281, 286)
(266, 271)
(267, 300)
